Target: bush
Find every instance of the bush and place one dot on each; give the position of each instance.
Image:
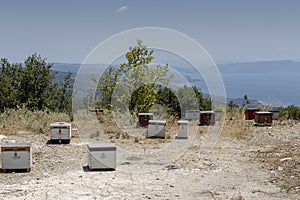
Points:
(290, 112)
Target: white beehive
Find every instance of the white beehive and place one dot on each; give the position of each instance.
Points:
(102, 156)
(16, 156)
(192, 114)
(218, 115)
(182, 129)
(60, 132)
(156, 128)
(275, 111)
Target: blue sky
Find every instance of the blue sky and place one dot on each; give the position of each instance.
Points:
(231, 31)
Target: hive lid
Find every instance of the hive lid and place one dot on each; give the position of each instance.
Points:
(60, 124)
(16, 146)
(218, 111)
(145, 113)
(163, 122)
(203, 112)
(275, 109)
(192, 111)
(263, 113)
(101, 147)
(183, 122)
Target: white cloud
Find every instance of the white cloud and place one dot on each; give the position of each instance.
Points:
(121, 9)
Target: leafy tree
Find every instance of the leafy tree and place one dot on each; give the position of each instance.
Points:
(32, 85)
(9, 84)
(65, 91)
(204, 103)
(232, 106)
(135, 81)
(185, 98)
(168, 99)
(37, 83)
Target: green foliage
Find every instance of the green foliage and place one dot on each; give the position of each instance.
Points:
(168, 99)
(9, 84)
(36, 83)
(134, 82)
(290, 112)
(185, 98)
(32, 86)
(232, 106)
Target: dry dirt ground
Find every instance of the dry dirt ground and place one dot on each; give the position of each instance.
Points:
(242, 162)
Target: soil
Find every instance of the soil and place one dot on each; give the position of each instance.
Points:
(241, 162)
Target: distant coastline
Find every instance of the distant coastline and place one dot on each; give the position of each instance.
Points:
(267, 82)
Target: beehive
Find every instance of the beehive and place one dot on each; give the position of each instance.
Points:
(250, 113)
(263, 118)
(218, 115)
(60, 132)
(16, 156)
(156, 128)
(144, 118)
(102, 156)
(182, 129)
(98, 112)
(275, 111)
(207, 118)
(192, 114)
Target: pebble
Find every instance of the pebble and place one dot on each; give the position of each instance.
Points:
(2, 137)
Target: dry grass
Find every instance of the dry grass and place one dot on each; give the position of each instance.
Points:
(13, 120)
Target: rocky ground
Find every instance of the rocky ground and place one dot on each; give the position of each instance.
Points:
(239, 161)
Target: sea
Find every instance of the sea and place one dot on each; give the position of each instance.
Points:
(275, 83)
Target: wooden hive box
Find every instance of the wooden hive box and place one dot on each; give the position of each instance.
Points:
(156, 129)
(263, 118)
(102, 156)
(144, 118)
(207, 118)
(250, 113)
(98, 112)
(191, 114)
(182, 129)
(60, 132)
(16, 156)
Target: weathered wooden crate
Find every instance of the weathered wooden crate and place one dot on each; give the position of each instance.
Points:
(263, 118)
(60, 132)
(16, 156)
(207, 118)
(156, 129)
(101, 156)
(144, 118)
(250, 113)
